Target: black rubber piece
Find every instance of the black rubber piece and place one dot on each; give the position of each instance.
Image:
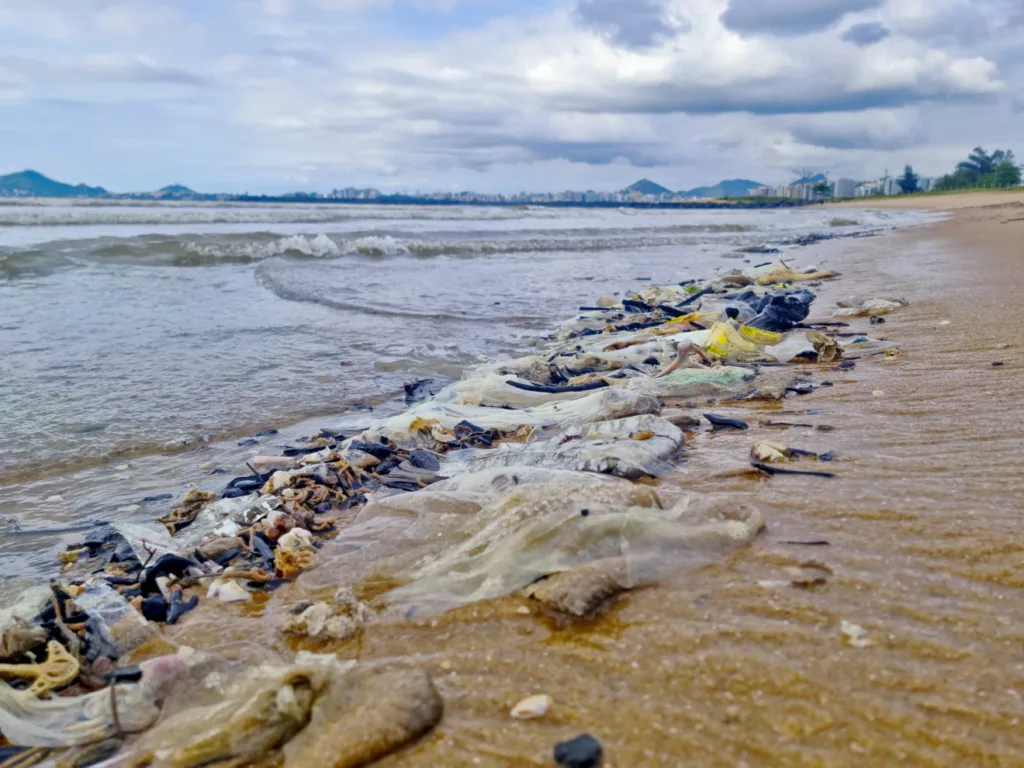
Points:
(722, 421)
(155, 608)
(179, 608)
(687, 302)
(124, 675)
(166, 565)
(559, 390)
(779, 471)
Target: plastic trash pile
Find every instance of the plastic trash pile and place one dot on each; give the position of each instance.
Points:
(522, 477)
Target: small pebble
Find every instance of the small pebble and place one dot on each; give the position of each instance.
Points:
(946, 322)
(997, 363)
(532, 707)
(582, 752)
(523, 610)
(878, 393)
(56, 499)
(122, 467)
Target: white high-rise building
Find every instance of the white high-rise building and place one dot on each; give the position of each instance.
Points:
(844, 188)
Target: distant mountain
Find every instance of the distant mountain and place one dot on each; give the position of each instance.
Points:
(648, 187)
(34, 184)
(176, 192)
(815, 179)
(728, 188)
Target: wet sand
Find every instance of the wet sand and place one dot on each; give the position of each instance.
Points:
(732, 665)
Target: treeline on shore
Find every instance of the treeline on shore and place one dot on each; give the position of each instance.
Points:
(981, 170)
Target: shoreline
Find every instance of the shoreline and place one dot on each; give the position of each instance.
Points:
(655, 619)
(598, 432)
(25, 471)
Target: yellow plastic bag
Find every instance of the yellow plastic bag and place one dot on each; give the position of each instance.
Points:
(756, 335)
(727, 343)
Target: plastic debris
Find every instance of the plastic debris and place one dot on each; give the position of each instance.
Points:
(59, 670)
(630, 448)
(363, 716)
(771, 470)
(250, 714)
(526, 533)
(337, 621)
(863, 307)
(580, 591)
(25, 720)
(855, 635)
(722, 422)
(228, 591)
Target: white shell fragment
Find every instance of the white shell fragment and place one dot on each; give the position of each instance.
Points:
(532, 707)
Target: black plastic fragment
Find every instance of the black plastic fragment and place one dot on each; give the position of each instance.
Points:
(132, 674)
(558, 390)
(154, 608)
(724, 422)
(377, 450)
(780, 471)
(167, 565)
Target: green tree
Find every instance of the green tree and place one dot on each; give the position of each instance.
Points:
(908, 181)
(980, 163)
(1007, 174)
(822, 189)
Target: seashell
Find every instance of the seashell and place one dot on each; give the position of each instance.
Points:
(532, 707)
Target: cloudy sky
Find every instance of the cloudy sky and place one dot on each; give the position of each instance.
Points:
(501, 95)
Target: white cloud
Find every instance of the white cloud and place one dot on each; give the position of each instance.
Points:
(341, 88)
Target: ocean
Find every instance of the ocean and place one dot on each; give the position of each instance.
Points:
(140, 343)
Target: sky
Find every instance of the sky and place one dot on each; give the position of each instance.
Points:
(272, 96)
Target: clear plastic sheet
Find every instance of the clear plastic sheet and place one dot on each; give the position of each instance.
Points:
(528, 532)
(598, 406)
(632, 448)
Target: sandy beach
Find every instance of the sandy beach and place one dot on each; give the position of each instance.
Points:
(904, 648)
(910, 654)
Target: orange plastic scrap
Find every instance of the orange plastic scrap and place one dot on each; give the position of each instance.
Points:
(419, 424)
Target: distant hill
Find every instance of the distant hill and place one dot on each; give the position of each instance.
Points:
(648, 187)
(815, 179)
(34, 184)
(176, 192)
(728, 188)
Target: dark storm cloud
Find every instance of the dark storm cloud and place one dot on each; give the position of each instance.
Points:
(866, 34)
(837, 137)
(632, 23)
(789, 17)
(793, 97)
(495, 147)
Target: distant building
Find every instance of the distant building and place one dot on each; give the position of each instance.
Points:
(844, 188)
